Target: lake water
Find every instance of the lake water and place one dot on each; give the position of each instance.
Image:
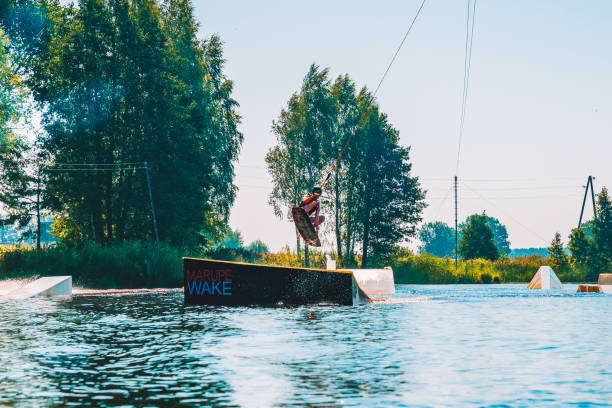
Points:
(454, 345)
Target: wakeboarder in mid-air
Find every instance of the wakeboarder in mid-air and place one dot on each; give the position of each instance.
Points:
(310, 203)
(306, 223)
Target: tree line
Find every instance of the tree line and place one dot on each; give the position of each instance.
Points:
(482, 237)
(479, 236)
(374, 201)
(590, 245)
(124, 88)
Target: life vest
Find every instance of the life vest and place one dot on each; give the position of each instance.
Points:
(307, 199)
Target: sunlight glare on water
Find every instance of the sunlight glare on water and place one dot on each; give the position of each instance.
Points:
(455, 345)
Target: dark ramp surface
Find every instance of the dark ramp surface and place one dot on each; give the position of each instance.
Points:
(211, 282)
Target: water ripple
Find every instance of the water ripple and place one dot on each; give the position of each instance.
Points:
(483, 345)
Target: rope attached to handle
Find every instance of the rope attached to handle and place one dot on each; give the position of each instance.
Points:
(373, 95)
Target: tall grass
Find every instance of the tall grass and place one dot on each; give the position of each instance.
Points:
(146, 265)
(127, 265)
(429, 269)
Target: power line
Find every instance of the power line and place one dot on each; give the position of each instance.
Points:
(98, 164)
(448, 191)
(467, 64)
(399, 48)
(506, 212)
(558, 188)
(509, 180)
(511, 197)
(373, 95)
(92, 169)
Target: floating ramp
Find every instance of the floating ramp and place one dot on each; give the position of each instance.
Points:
(545, 278)
(375, 281)
(605, 279)
(604, 285)
(47, 286)
(210, 282)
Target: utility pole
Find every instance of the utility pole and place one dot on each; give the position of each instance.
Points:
(591, 178)
(38, 209)
(146, 166)
(456, 230)
(586, 191)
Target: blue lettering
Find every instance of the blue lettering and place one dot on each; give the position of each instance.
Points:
(227, 287)
(194, 285)
(212, 288)
(205, 287)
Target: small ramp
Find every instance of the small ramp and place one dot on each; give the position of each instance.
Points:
(604, 285)
(47, 286)
(545, 278)
(605, 279)
(375, 281)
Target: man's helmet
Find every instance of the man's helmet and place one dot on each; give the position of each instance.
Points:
(317, 190)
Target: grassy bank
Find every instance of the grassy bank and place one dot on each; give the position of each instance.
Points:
(432, 270)
(148, 265)
(126, 265)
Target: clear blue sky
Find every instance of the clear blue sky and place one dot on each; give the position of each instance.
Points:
(539, 114)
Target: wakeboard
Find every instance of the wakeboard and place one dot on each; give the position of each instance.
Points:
(305, 227)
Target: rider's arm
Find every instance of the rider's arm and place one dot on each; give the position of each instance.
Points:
(306, 200)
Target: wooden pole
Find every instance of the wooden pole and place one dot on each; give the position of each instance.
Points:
(146, 166)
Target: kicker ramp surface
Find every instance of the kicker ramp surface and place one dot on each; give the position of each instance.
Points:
(375, 281)
(47, 286)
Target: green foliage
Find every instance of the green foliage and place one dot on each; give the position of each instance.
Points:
(556, 253)
(602, 229)
(284, 258)
(486, 278)
(129, 265)
(521, 252)
(233, 240)
(428, 269)
(301, 130)
(143, 264)
(580, 245)
(375, 202)
(500, 235)
(16, 184)
(125, 82)
(258, 246)
(477, 239)
(437, 238)
(591, 245)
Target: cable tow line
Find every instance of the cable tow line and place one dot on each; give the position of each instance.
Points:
(373, 95)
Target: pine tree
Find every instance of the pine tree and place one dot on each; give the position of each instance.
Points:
(580, 245)
(602, 227)
(556, 252)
